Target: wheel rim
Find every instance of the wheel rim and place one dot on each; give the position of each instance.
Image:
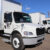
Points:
(16, 42)
(48, 30)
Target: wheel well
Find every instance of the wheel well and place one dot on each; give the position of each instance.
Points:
(48, 27)
(16, 32)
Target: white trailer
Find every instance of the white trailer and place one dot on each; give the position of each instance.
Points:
(37, 17)
(9, 6)
(0, 13)
(18, 26)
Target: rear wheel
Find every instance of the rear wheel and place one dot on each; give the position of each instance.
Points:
(17, 42)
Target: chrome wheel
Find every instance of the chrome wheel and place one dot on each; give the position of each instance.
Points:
(16, 43)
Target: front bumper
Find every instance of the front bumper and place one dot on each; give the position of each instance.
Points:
(33, 40)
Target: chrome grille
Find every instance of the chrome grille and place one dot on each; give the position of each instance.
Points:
(40, 31)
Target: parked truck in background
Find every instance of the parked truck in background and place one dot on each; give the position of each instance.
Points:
(37, 17)
(40, 18)
(47, 25)
(18, 26)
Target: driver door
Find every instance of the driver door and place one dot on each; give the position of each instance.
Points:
(7, 22)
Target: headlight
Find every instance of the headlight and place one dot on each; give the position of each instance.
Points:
(28, 33)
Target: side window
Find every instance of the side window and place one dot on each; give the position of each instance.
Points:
(8, 17)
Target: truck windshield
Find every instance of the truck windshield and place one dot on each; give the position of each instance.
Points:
(48, 21)
(22, 18)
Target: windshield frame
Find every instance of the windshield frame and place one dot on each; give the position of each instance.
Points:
(29, 17)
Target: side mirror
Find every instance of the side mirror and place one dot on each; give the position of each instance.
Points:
(44, 22)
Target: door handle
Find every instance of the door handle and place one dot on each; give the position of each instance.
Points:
(4, 26)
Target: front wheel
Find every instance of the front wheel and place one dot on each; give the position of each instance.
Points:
(17, 42)
(49, 31)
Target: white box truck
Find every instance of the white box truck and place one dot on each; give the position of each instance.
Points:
(18, 26)
(37, 17)
(47, 25)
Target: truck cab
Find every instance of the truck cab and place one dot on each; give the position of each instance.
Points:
(19, 27)
(47, 25)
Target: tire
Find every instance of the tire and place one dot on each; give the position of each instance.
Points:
(49, 31)
(17, 42)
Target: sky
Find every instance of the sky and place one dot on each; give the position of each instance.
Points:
(30, 6)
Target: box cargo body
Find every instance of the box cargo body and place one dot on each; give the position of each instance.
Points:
(0, 15)
(37, 18)
(8, 6)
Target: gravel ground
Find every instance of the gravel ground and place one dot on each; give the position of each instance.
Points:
(44, 46)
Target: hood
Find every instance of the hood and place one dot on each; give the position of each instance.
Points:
(33, 25)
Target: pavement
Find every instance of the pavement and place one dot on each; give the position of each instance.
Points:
(43, 46)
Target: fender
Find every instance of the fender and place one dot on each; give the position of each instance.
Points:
(16, 31)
